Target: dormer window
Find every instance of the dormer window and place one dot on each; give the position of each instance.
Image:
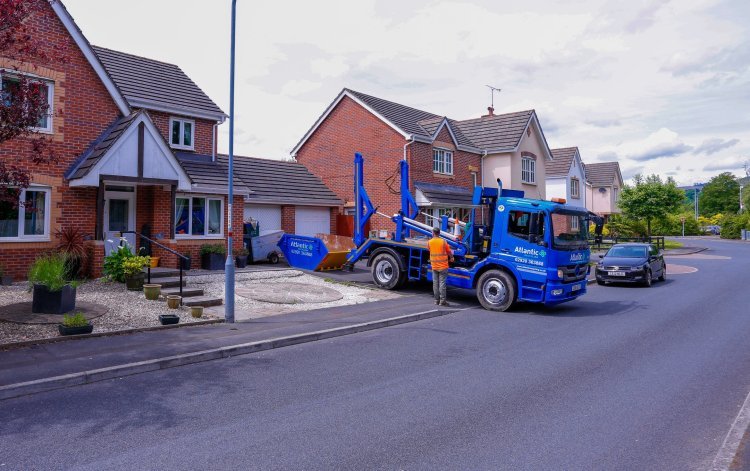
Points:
(182, 133)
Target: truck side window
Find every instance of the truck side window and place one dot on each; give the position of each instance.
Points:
(519, 222)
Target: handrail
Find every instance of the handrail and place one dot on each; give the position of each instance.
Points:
(182, 257)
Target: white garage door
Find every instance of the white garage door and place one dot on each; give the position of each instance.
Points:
(310, 220)
(268, 216)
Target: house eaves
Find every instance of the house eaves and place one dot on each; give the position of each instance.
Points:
(179, 110)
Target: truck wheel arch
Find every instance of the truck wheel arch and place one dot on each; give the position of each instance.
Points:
(493, 266)
(398, 256)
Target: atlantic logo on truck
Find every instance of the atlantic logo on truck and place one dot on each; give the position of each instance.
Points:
(525, 251)
(576, 257)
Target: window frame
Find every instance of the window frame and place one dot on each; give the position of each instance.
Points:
(531, 161)
(182, 121)
(49, 129)
(205, 235)
(444, 161)
(577, 193)
(21, 237)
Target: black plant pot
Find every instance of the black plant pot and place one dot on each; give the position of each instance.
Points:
(212, 261)
(241, 261)
(167, 319)
(84, 329)
(53, 302)
(6, 280)
(135, 282)
(186, 263)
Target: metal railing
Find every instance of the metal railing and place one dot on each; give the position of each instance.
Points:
(658, 241)
(182, 258)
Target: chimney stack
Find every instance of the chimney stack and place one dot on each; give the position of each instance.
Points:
(490, 112)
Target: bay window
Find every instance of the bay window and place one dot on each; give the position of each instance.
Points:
(29, 219)
(198, 216)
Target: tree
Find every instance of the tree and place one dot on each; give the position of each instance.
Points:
(650, 199)
(23, 101)
(720, 195)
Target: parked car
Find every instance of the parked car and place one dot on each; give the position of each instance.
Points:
(631, 263)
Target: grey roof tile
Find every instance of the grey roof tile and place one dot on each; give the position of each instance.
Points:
(445, 194)
(280, 182)
(404, 117)
(602, 173)
(159, 83)
(497, 131)
(210, 176)
(562, 159)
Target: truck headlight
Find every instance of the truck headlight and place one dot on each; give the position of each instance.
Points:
(557, 292)
(560, 273)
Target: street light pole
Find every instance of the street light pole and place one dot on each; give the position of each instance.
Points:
(695, 197)
(742, 206)
(229, 265)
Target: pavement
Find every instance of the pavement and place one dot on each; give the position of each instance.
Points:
(624, 378)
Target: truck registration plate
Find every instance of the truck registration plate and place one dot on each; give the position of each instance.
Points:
(616, 273)
(575, 287)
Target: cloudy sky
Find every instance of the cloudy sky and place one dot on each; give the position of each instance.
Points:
(661, 86)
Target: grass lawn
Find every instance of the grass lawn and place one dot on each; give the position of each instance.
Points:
(671, 244)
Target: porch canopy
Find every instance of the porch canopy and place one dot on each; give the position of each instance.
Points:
(442, 196)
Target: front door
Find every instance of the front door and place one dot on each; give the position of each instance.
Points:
(119, 216)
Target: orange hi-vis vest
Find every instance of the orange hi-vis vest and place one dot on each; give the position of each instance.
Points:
(439, 253)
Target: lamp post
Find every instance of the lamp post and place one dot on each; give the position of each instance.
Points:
(742, 205)
(229, 265)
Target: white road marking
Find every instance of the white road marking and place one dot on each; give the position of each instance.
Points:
(731, 443)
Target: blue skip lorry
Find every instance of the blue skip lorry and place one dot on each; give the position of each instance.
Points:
(510, 249)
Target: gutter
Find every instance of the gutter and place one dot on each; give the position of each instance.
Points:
(213, 142)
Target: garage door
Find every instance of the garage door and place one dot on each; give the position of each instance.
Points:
(268, 216)
(310, 220)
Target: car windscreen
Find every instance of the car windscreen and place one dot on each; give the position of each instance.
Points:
(627, 252)
(570, 229)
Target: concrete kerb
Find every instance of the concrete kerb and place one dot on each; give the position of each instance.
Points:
(85, 377)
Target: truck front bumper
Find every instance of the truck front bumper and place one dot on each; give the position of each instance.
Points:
(556, 292)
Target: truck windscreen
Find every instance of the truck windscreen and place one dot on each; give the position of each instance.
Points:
(570, 229)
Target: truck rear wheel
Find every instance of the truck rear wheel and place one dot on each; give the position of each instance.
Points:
(386, 272)
(496, 290)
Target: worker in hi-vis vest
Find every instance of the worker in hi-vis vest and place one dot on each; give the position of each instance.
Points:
(440, 255)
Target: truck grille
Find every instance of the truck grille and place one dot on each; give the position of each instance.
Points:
(573, 273)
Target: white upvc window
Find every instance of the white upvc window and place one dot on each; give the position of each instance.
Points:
(9, 82)
(181, 133)
(575, 188)
(198, 217)
(29, 220)
(442, 161)
(528, 170)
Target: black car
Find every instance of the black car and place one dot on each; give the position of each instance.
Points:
(631, 263)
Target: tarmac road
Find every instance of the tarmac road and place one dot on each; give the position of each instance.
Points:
(624, 378)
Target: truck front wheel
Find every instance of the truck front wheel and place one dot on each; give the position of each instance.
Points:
(496, 290)
(386, 272)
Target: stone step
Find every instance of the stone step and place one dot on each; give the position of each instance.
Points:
(205, 301)
(168, 282)
(160, 272)
(186, 292)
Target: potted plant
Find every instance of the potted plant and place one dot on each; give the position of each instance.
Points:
(196, 311)
(155, 262)
(173, 301)
(151, 291)
(186, 262)
(241, 258)
(167, 319)
(53, 293)
(132, 268)
(72, 243)
(75, 325)
(212, 256)
(113, 262)
(5, 280)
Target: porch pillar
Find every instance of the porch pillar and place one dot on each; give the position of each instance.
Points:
(99, 230)
(173, 202)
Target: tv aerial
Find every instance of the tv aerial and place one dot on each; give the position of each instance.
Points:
(492, 94)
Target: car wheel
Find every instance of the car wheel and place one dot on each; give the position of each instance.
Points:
(496, 290)
(273, 258)
(648, 280)
(386, 272)
(663, 276)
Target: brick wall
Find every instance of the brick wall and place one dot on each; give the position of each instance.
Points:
(203, 130)
(464, 163)
(288, 222)
(82, 109)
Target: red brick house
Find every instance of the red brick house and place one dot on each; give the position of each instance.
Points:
(447, 158)
(137, 147)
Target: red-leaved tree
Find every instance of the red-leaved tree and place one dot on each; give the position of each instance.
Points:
(23, 98)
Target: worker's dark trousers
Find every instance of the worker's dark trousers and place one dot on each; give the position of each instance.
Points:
(439, 279)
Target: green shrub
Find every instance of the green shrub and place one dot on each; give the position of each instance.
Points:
(732, 225)
(133, 265)
(113, 263)
(213, 248)
(243, 252)
(49, 270)
(671, 225)
(76, 320)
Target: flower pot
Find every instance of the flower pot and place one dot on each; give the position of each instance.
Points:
(186, 263)
(53, 302)
(196, 311)
(135, 282)
(167, 319)
(6, 280)
(241, 261)
(151, 291)
(173, 301)
(78, 330)
(154, 262)
(212, 261)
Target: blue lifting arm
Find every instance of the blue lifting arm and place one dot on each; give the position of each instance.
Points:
(364, 209)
